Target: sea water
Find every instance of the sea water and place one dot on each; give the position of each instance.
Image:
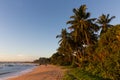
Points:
(13, 69)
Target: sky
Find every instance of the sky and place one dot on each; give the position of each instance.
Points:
(28, 28)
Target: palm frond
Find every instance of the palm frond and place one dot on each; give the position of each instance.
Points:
(111, 18)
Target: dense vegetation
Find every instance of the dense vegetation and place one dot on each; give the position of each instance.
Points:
(42, 60)
(90, 44)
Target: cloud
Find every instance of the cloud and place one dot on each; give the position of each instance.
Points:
(20, 55)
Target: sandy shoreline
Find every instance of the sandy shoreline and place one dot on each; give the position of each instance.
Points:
(42, 72)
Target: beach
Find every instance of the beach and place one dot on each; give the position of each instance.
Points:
(42, 72)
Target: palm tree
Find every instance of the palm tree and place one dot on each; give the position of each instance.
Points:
(65, 43)
(82, 26)
(104, 21)
(63, 36)
(82, 30)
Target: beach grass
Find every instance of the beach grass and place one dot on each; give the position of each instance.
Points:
(79, 74)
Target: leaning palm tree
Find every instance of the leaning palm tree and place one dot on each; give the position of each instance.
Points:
(104, 21)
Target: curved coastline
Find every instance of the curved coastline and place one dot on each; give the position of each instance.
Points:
(42, 72)
(7, 75)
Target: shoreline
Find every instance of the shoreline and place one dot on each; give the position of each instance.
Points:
(12, 74)
(42, 72)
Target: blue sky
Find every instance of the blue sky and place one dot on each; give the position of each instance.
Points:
(28, 28)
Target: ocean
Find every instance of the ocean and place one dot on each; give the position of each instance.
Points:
(13, 69)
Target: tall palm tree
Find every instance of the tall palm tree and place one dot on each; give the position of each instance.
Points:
(82, 30)
(82, 26)
(104, 21)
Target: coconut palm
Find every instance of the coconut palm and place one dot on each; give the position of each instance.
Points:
(65, 38)
(104, 21)
(82, 26)
(66, 45)
(82, 31)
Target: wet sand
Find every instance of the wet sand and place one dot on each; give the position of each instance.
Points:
(42, 72)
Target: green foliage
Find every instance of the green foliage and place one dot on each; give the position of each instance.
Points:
(106, 60)
(58, 59)
(79, 74)
(111, 51)
(69, 77)
(42, 60)
(81, 47)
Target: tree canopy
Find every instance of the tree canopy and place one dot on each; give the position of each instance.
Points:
(82, 47)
